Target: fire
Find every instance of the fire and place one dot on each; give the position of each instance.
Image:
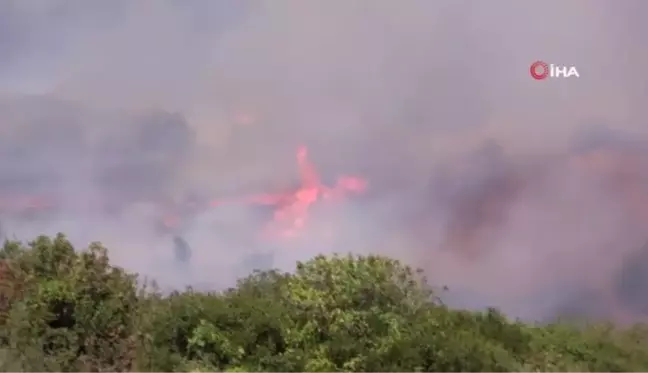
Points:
(245, 118)
(25, 203)
(291, 209)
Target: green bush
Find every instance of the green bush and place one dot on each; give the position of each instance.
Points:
(67, 310)
(74, 312)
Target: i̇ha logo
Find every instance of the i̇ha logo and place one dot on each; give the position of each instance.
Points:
(541, 70)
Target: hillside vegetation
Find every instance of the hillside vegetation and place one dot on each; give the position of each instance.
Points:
(68, 310)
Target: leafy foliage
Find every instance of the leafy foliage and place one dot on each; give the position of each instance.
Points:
(75, 310)
(68, 310)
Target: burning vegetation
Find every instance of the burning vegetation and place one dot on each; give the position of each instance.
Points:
(467, 214)
(135, 170)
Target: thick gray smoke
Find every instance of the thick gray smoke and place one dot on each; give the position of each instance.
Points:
(516, 193)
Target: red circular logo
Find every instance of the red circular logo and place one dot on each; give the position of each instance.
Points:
(539, 70)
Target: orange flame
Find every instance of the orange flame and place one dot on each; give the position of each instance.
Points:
(291, 209)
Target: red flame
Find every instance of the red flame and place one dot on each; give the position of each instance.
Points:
(292, 209)
(22, 203)
(245, 118)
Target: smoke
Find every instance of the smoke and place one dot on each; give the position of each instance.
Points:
(477, 172)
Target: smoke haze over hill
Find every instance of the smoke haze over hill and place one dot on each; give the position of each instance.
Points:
(521, 194)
